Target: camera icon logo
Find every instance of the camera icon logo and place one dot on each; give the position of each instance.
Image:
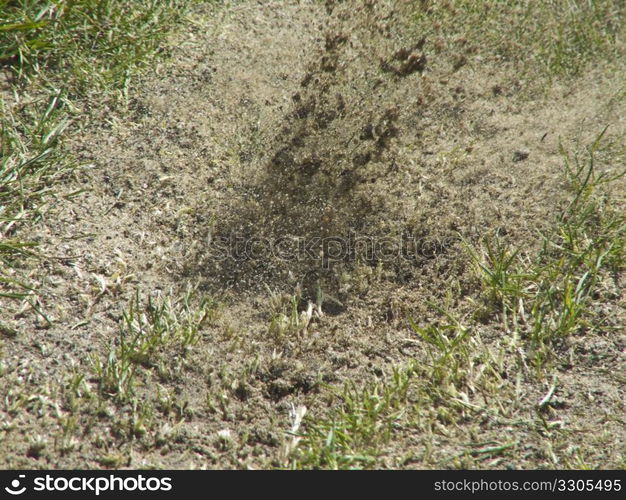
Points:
(15, 489)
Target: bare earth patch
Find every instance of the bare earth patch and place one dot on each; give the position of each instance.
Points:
(288, 123)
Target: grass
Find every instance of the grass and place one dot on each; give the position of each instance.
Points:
(151, 332)
(439, 401)
(538, 300)
(551, 295)
(90, 44)
(354, 435)
(420, 399)
(286, 318)
(55, 52)
(555, 38)
(32, 161)
(128, 386)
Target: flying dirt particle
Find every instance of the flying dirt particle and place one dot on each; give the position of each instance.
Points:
(404, 53)
(334, 41)
(520, 155)
(414, 62)
(459, 63)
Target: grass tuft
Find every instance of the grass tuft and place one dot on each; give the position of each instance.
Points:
(150, 332)
(554, 294)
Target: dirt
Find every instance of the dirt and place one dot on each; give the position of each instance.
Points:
(285, 123)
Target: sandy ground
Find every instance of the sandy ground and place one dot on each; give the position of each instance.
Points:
(287, 123)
